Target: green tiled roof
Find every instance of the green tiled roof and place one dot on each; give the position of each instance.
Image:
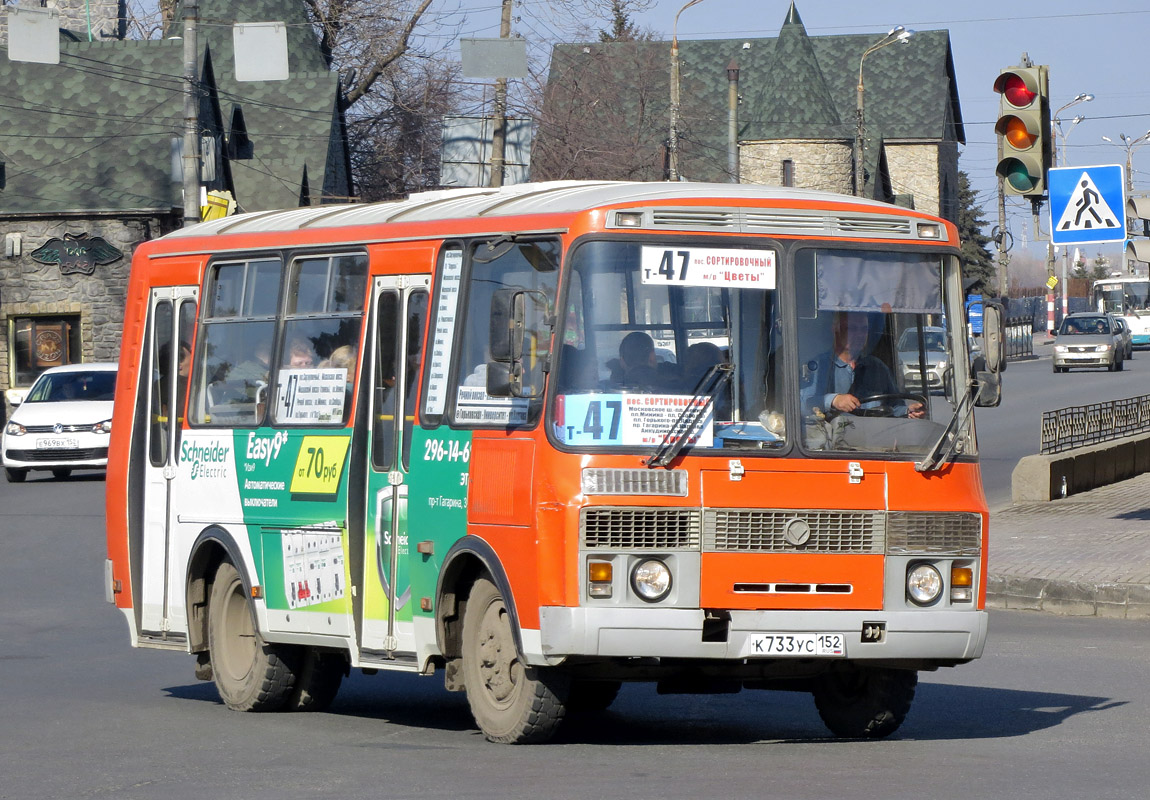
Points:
(793, 86)
(93, 132)
(290, 123)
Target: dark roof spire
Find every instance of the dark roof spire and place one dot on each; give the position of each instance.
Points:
(793, 17)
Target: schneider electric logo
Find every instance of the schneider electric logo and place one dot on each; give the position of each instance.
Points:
(206, 460)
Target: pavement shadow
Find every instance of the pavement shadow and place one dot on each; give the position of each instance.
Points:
(1136, 514)
(642, 717)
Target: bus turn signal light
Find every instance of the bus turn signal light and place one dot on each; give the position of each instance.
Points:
(599, 578)
(961, 584)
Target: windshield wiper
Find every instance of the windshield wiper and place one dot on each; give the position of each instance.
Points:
(938, 454)
(704, 398)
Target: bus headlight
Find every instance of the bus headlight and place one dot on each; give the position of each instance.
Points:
(651, 580)
(923, 584)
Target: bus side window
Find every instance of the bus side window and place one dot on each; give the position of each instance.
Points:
(527, 266)
(232, 364)
(417, 304)
(162, 335)
(383, 385)
(315, 378)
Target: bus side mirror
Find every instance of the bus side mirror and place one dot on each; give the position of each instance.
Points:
(989, 366)
(518, 336)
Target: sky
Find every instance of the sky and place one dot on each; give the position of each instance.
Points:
(1094, 47)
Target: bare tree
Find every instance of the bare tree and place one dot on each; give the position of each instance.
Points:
(396, 132)
(585, 132)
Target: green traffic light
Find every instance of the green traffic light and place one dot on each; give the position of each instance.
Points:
(1017, 175)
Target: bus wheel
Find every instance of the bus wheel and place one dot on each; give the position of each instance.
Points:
(512, 702)
(318, 682)
(592, 696)
(250, 674)
(865, 702)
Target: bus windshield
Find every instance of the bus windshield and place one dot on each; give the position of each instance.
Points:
(687, 341)
(1122, 296)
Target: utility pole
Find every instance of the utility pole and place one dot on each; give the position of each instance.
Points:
(499, 134)
(191, 116)
(733, 121)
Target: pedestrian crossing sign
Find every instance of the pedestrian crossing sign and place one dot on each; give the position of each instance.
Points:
(1087, 204)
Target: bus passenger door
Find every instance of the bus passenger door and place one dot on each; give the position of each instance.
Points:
(172, 319)
(399, 319)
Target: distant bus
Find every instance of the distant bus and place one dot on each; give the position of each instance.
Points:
(1128, 298)
(552, 438)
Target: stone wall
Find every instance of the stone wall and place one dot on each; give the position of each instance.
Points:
(108, 17)
(29, 288)
(930, 173)
(923, 170)
(819, 163)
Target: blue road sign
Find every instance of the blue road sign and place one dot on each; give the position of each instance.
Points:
(974, 312)
(1087, 204)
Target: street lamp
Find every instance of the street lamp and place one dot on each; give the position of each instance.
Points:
(896, 34)
(1130, 144)
(674, 135)
(1084, 97)
(1060, 157)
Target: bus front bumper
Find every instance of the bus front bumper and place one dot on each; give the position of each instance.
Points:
(941, 635)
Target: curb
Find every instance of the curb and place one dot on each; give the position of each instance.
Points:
(1069, 598)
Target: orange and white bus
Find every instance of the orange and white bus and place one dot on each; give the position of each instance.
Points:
(552, 438)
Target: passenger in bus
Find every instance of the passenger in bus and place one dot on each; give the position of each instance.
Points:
(255, 369)
(636, 367)
(853, 376)
(300, 354)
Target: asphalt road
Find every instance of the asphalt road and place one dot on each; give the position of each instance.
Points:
(1013, 430)
(1056, 709)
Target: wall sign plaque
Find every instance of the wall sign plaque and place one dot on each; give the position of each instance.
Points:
(77, 253)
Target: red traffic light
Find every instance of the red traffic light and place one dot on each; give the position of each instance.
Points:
(1018, 88)
(1017, 92)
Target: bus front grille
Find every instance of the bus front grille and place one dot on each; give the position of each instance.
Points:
(933, 533)
(639, 528)
(789, 531)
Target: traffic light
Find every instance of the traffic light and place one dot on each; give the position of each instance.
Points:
(1023, 129)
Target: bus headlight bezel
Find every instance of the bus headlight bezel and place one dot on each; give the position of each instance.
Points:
(924, 584)
(651, 580)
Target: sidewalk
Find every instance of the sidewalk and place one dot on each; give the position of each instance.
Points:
(1087, 555)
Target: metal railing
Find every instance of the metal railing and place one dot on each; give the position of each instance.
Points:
(1018, 337)
(1078, 426)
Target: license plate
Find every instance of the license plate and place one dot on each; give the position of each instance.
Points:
(796, 644)
(57, 444)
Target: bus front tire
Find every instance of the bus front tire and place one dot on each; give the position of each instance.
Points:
(250, 674)
(864, 702)
(512, 703)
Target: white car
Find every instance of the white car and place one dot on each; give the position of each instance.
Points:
(63, 422)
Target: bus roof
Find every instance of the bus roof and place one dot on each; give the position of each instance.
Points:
(556, 197)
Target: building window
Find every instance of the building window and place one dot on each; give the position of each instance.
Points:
(788, 172)
(41, 342)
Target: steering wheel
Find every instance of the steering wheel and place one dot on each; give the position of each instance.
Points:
(884, 410)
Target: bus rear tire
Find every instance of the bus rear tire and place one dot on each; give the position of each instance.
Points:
(588, 697)
(864, 702)
(250, 674)
(512, 703)
(320, 676)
